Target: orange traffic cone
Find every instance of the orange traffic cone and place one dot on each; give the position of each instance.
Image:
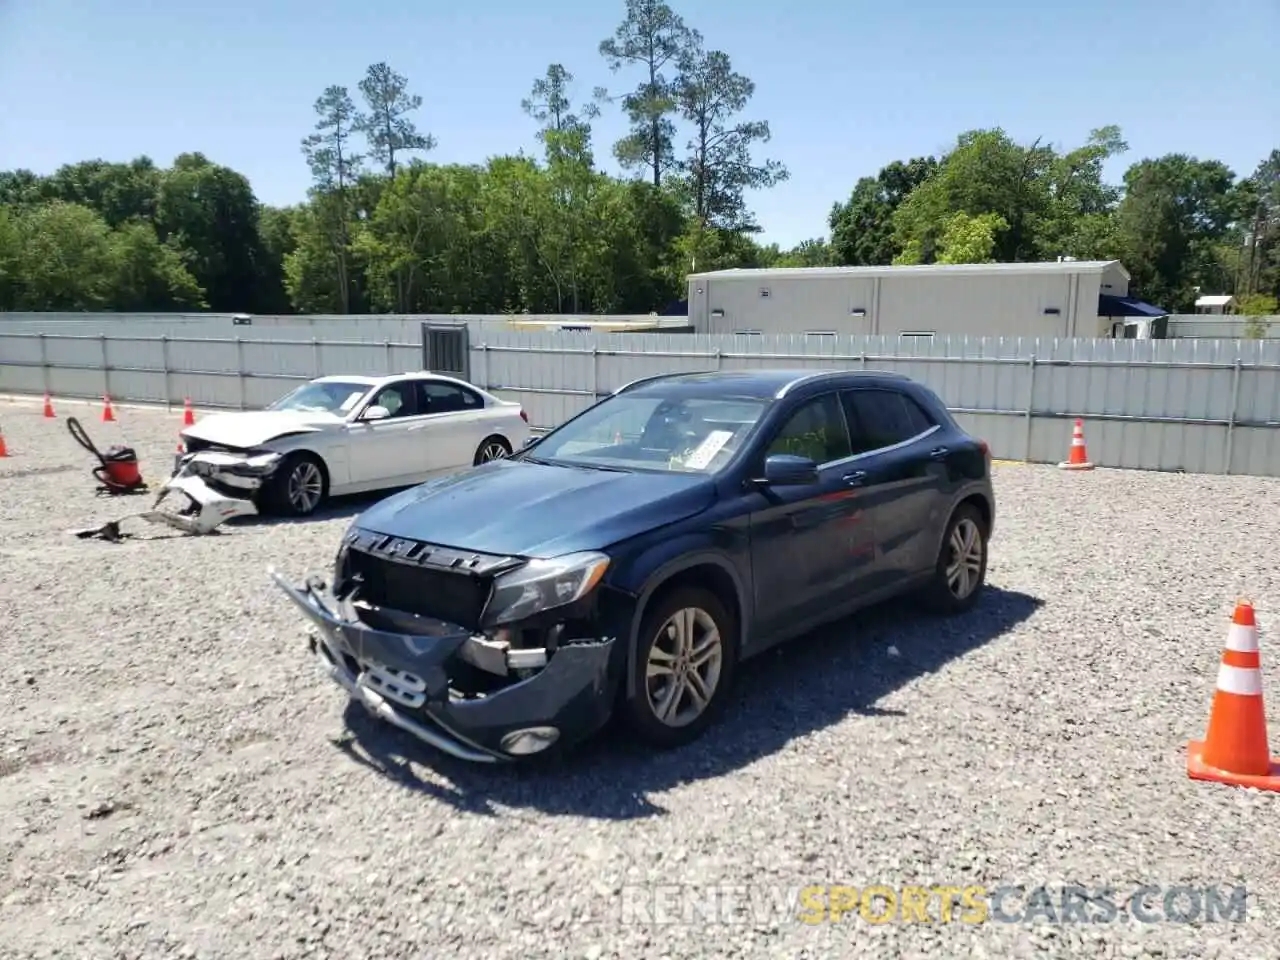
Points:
(108, 415)
(1234, 749)
(188, 417)
(1078, 459)
(48, 407)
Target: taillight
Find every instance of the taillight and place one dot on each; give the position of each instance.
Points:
(524, 416)
(985, 448)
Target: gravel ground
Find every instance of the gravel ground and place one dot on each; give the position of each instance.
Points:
(177, 780)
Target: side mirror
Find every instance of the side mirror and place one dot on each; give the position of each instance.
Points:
(788, 470)
(376, 413)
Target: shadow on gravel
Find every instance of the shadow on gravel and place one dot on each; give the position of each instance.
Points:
(789, 692)
(338, 508)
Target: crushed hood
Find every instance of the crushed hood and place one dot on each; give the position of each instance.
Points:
(255, 427)
(528, 509)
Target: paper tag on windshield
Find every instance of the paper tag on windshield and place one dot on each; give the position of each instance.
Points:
(707, 449)
(351, 401)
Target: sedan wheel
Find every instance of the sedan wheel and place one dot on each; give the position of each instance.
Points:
(306, 487)
(683, 672)
(297, 487)
(495, 448)
(684, 662)
(964, 565)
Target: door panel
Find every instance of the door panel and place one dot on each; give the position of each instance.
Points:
(896, 440)
(455, 425)
(806, 541)
(389, 451)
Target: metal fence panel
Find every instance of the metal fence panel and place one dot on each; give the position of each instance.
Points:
(1197, 405)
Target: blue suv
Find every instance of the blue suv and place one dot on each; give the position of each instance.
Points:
(629, 560)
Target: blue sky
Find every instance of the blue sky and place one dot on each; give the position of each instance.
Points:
(846, 87)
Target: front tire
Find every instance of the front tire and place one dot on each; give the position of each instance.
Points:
(960, 573)
(298, 487)
(686, 656)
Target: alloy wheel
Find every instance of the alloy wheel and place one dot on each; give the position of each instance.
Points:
(493, 451)
(683, 669)
(305, 486)
(964, 561)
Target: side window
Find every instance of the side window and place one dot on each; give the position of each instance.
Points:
(815, 430)
(398, 399)
(446, 398)
(881, 418)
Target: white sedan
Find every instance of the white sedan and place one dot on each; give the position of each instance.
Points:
(351, 434)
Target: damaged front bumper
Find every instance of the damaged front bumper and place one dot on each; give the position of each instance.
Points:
(406, 679)
(235, 473)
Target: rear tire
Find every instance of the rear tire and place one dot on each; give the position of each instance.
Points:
(960, 572)
(492, 448)
(298, 488)
(686, 654)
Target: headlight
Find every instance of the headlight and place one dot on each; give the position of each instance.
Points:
(257, 465)
(544, 585)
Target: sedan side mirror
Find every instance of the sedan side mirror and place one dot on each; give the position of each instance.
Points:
(376, 413)
(785, 469)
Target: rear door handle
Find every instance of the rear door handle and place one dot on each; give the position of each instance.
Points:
(937, 453)
(854, 479)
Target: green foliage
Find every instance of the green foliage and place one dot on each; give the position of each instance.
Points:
(555, 233)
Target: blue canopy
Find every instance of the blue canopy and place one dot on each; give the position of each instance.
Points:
(1109, 306)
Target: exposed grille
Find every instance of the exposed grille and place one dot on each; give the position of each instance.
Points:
(455, 596)
(195, 446)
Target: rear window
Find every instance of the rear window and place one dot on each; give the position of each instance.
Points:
(881, 418)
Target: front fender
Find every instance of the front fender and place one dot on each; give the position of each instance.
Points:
(645, 573)
(331, 448)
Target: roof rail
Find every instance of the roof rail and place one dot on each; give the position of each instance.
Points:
(636, 383)
(823, 374)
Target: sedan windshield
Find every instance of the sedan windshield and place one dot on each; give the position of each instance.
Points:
(645, 431)
(338, 397)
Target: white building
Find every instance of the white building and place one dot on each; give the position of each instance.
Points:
(1215, 303)
(1072, 298)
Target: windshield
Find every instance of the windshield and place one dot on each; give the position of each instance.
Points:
(647, 432)
(338, 397)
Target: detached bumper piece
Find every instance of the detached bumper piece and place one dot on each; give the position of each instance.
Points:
(197, 510)
(407, 679)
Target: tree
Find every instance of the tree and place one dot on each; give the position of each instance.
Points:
(1258, 270)
(650, 36)
(208, 213)
(10, 257)
(550, 104)
(986, 172)
(1176, 210)
(65, 259)
(150, 275)
(386, 125)
(719, 167)
(970, 239)
(1256, 307)
(334, 166)
(862, 226)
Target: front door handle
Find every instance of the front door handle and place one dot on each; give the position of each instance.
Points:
(937, 453)
(854, 479)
